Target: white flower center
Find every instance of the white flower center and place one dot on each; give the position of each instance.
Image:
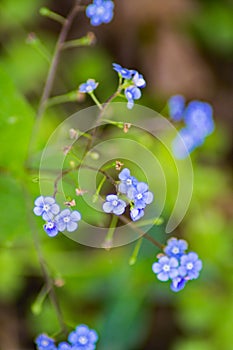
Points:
(129, 182)
(45, 342)
(100, 10)
(175, 250)
(139, 196)
(50, 225)
(166, 268)
(189, 266)
(114, 203)
(66, 219)
(46, 207)
(83, 340)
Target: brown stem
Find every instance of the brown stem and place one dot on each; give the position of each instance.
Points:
(141, 232)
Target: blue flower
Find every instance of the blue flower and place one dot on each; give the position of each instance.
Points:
(176, 105)
(114, 205)
(83, 338)
(198, 116)
(186, 142)
(132, 93)
(175, 247)
(124, 72)
(136, 214)
(190, 266)
(89, 86)
(127, 181)
(67, 220)
(64, 346)
(138, 79)
(166, 268)
(46, 207)
(140, 195)
(177, 284)
(100, 11)
(51, 228)
(44, 342)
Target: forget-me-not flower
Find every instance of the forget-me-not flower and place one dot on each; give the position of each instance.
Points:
(199, 116)
(136, 214)
(67, 220)
(89, 86)
(190, 266)
(46, 207)
(83, 338)
(51, 228)
(100, 11)
(44, 342)
(114, 205)
(166, 268)
(140, 195)
(175, 247)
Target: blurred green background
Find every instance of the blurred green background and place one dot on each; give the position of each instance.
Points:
(181, 46)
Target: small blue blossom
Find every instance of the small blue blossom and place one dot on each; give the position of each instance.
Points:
(132, 93)
(100, 11)
(83, 338)
(67, 220)
(175, 247)
(114, 205)
(46, 207)
(178, 283)
(138, 79)
(51, 228)
(44, 342)
(136, 214)
(140, 195)
(127, 181)
(166, 268)
(199, 116)
(176, 105)
(89, 86)
(64, 346)
(186, 142)
(190, 266)
(124, 72)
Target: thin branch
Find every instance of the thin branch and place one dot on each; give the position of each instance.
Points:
(141, 232)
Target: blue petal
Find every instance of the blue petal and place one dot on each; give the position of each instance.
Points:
(107, 207)
(75, 216)
(163, 276)
(38, 211)
(71, 226)
(142, 187)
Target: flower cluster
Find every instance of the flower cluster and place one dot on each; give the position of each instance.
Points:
(55, 220)
(177, 265)
(82, 338)
(198, 119)
(137, 194)
(100, 11)
(133, 81)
